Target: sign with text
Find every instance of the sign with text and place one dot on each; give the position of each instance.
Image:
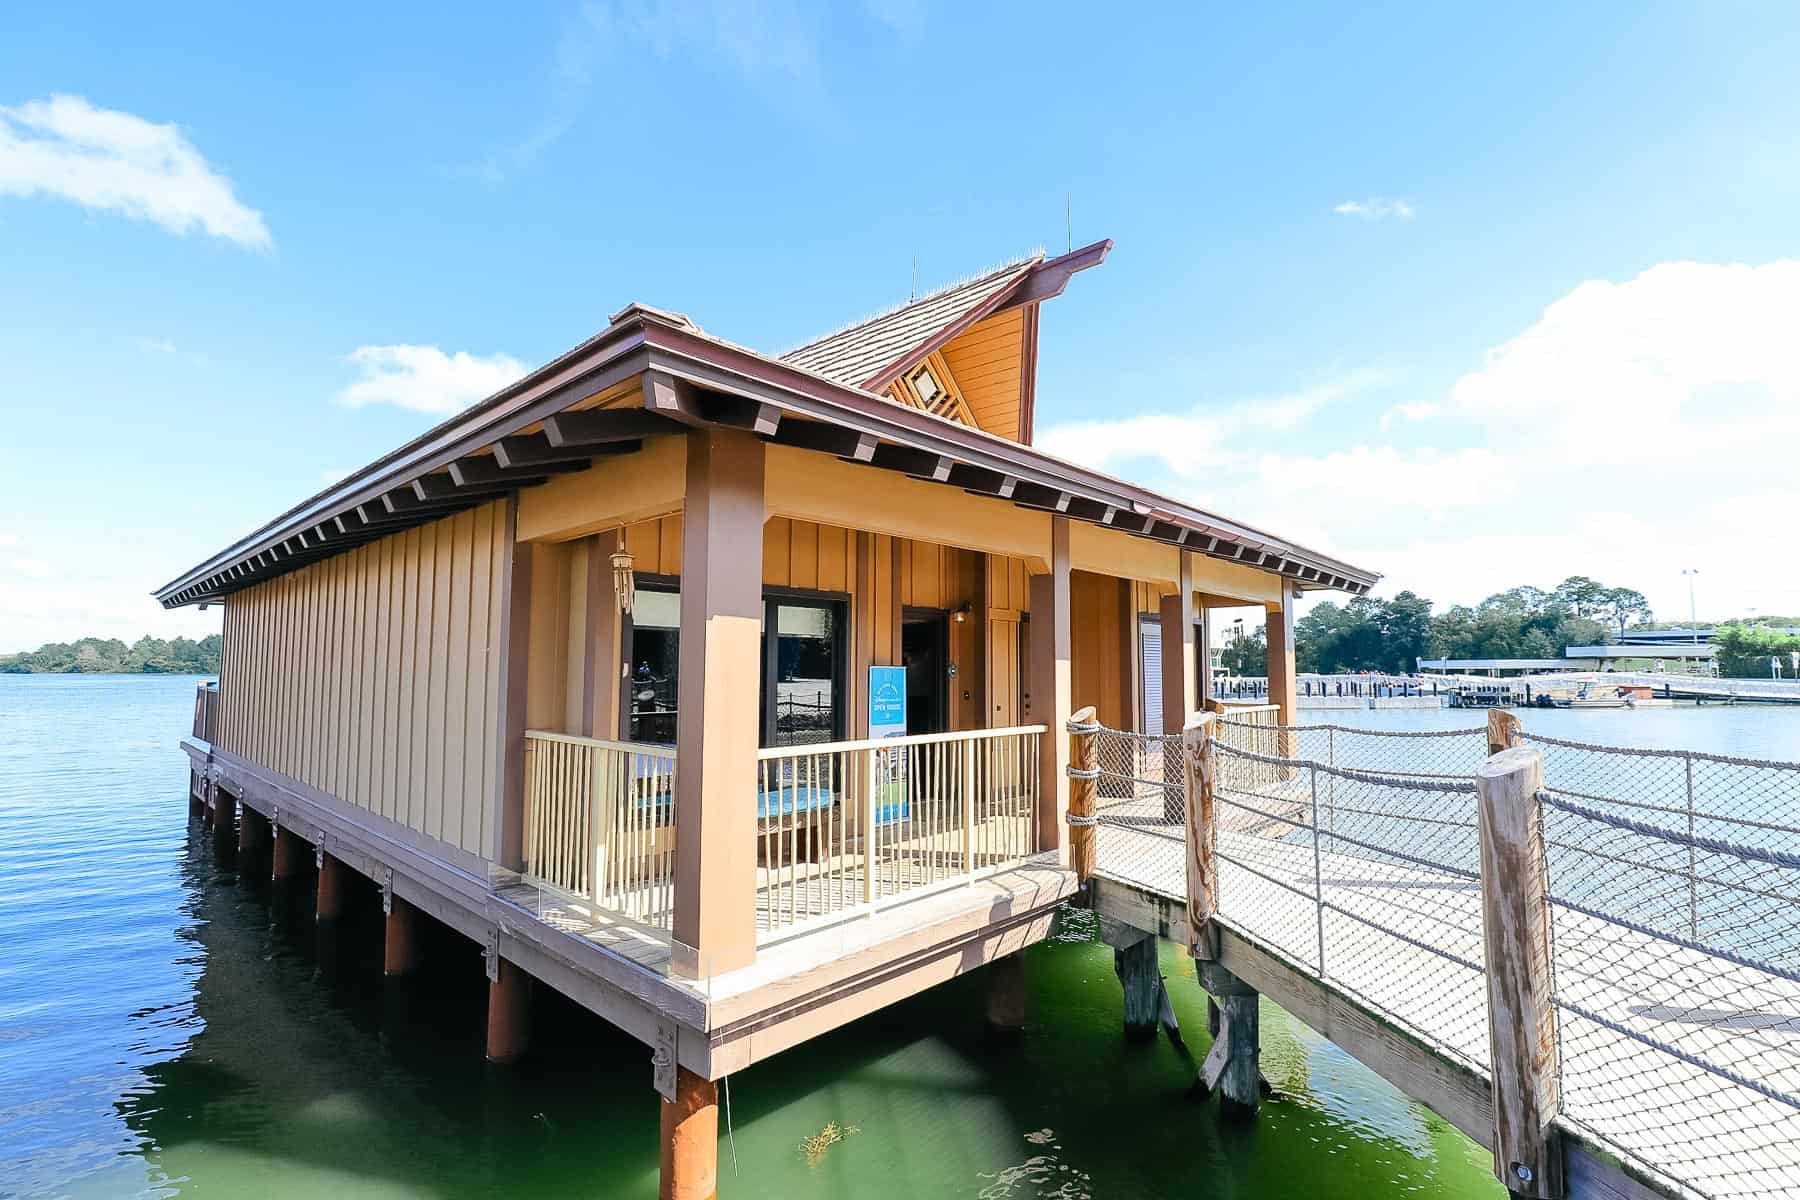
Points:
(887, 719)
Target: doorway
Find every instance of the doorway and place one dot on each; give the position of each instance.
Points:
(925, 653)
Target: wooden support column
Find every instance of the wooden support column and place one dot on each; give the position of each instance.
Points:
(1231, 1067)
(690, 1139)
(1084, 766)
(1515, 921)
(224, 822)
(1051, 684)
(284, 854)
(1283, 688)
(1140, 974)
(1201, 836)
(400, 943)
(717, 727)
(253, 832)
(1502, 730)
(509, 1010)
(332, 882)
(1180, 690)
(1203, 683)
(1008, 998)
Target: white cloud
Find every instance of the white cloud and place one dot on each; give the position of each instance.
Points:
(1185, 443)
(156, 345)
(8, 539)
(425, 379)
(116, 162)
(1375, 208)
(32, 568)
(1636, 428)
(1411, 410)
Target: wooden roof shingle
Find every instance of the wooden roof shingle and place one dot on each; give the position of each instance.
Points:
(860, 355)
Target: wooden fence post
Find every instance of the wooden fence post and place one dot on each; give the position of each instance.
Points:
(1515, 919)
(1503, 730)
(1084, 770)
(1202, 836)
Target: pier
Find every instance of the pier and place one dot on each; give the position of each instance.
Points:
(1583, 957)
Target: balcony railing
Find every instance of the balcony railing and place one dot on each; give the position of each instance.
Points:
(844, 827)
(600, 823)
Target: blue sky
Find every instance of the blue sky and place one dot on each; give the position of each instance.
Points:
(1468, 299)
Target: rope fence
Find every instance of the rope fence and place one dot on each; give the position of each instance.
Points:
(1672, 880)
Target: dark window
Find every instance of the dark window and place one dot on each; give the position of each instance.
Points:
(804, 670)
(652, 645)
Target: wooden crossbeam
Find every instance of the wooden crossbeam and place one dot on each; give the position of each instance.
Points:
(596, 427)
(828, 439)
(443, 487)
(535, 450)
(920, 463)
(483, 470)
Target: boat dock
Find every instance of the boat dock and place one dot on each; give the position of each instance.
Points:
(1582, 957)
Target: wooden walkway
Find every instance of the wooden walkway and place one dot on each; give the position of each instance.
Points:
(1392, 952)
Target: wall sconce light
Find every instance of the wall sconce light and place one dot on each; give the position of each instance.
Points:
(962, 614)
(624, 579)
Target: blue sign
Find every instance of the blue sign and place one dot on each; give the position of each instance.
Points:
(887, 702)
(887, 719)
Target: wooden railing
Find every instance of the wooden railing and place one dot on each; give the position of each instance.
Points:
(206, 711)
(1256, 728)
(847, 826)
(600, 823)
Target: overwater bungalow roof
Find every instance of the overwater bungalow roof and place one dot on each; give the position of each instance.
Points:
(546, 424)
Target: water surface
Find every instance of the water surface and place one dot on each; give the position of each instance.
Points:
(168, 1029)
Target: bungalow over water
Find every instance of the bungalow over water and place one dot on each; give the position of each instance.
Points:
(723, 692)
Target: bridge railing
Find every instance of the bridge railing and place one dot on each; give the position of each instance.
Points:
(1664, 887)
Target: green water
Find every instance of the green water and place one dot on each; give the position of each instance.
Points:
(167, 1028)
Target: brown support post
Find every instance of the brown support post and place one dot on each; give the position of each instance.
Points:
(224, 829)
(1202, 836)
(251, 825)
(283, 853)
(1084, 768)
(1283, 688)
(690, 1139)
(1051, 684)
(717, 725)
(400, 943)
(1007, 995)
(1203, 668)
(331, 886)
(1503, 730)
(1515, 920)
(1140, 975)
(509, 1010)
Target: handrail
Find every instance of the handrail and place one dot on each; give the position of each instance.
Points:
(651, 749)
(896, 743)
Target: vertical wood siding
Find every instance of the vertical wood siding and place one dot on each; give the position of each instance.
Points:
(987, 363)
(374, 676)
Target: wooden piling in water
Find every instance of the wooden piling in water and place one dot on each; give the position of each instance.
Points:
(331, 887)
(224, 823)
(284, 853)
(1006, 995)
(690, 1139)
(1515, 919)
(1231, 1068)
(400, 940)
(509, 1010)
(1146, 996)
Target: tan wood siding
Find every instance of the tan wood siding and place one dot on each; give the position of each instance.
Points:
(373, 676)
(1099, 643)
(988, 364)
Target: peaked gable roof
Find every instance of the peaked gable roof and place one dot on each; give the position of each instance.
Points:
(861, 355)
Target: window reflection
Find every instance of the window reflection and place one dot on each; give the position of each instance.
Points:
(651, 689)
(808, 664)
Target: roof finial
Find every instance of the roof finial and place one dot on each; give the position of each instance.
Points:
(914, 293)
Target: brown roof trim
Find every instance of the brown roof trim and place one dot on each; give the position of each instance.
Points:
(645, 340)
(1036, 282)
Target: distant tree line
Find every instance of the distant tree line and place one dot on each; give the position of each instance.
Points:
(1370, 634)
(102, 656)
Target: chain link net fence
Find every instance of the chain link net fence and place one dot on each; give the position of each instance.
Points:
(1674, 880)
